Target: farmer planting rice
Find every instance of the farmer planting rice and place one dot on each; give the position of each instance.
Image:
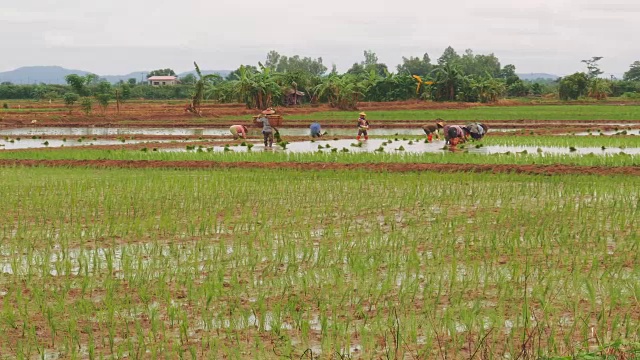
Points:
(430, 130)
(455, 134)
(316, 130)
(238, 131)
(267, 129)
(363, 126)
(477, 130)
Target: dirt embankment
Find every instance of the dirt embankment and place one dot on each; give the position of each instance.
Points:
(389, 167)
(159, 113)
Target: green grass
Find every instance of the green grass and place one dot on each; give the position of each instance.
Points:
(266, 264)
(563, 141)
(535, 112)
(444, 157)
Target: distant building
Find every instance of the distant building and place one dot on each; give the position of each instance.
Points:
(293, 97)
(162, 80)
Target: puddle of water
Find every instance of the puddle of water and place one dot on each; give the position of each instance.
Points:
(608, 132)
(499, 149)
(414, 147)
(55, 143)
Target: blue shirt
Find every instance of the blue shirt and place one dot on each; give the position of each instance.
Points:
(315, 128)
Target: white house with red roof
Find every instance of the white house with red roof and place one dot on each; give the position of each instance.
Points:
(162, 80)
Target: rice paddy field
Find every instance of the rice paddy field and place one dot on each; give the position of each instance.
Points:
(519, 246)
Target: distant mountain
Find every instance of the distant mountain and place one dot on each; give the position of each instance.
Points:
(138, 75)
(222, 73)
(535, 76)
(56, 74)
(38, 74)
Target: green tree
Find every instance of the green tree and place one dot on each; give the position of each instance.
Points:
(508, 73)
(370, 63)
(341, 91)
(517, 88)
(86, 105)
(256, 89)
(536, 89)
(573, 86)
(294, 64)
(103, 95)
(236, 74)
(125, 91)
(132, 81)
(161, 72)
(200, 89)
(273, 60)
(634, 72)
(188, 79)
(416, 66)
(78, 83)
(593, 69)
(449, 56)
(599, 88)
(70, 99)
(448, 80)
(479, 65)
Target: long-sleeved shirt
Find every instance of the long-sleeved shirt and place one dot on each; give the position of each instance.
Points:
(315, 129)
(458, 128)
(266, 126)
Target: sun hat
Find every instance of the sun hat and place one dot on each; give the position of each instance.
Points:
(363, 114)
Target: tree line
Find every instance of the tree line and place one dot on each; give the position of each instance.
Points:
(283, 80)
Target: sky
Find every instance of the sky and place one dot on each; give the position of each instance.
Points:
(121, 36)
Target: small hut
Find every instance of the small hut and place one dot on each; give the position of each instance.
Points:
(293, 97)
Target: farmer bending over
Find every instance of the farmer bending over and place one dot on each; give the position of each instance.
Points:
(238, 131)
(477, 130)
(455, 133)
(430, 130)
(316, 131)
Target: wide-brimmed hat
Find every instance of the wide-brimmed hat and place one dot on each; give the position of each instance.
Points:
(363, 114)
(245, 128)
(440, 124)
(269, 111)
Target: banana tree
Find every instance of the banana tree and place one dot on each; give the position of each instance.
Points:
(448, 81)
(199, 92)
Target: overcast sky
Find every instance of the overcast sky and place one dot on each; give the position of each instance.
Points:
(121, 36)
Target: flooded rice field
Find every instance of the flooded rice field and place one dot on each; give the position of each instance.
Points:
(14, 144)
(413, 147)
(162, 131)
(609, 132)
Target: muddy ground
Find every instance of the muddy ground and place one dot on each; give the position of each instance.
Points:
(387, 167)
(172, 114)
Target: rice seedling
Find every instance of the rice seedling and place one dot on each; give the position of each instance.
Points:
(134, 263)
